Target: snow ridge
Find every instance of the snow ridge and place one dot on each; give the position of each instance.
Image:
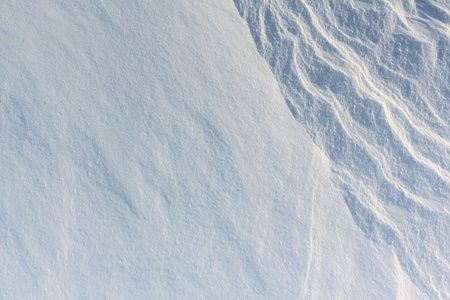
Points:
(369, 80)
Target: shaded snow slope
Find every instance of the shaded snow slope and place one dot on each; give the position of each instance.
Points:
(148, 153)
(369, 80)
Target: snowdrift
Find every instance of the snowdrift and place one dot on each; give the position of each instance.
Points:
(148, 153)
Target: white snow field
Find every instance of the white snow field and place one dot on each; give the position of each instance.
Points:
(163, 149)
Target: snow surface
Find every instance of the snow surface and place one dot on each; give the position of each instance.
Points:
(151, 151)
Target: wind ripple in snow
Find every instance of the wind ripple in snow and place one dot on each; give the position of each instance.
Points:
(370, 81)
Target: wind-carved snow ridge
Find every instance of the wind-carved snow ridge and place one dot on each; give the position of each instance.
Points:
(370, 80)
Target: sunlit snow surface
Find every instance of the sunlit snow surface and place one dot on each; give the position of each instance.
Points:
(370, 80)
(148, 151)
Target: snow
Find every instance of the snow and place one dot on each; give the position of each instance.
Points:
(151, 151)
